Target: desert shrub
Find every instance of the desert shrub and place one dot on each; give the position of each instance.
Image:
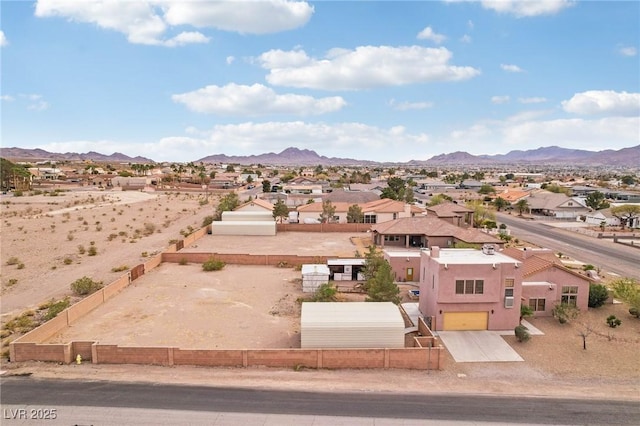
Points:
(325, 293)
(56, 307)
(119, 268)
(635, 312)
(183, 261)
(13, 261)
(81, 249)
(149, 228)
(22, 323)
(18, 193)
(208, 220)
(213, 265)
(85, 285)
(67, 261)
(564, 312)
(613, 321)
(12, 281)
(588, 267)
(69, 236)
(598, 294)
(92, 251)
(522, 334)
(20, 265)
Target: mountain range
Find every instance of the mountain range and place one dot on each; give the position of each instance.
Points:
(303, 157)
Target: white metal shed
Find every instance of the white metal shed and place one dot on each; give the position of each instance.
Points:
(313, 276)
(351, 325)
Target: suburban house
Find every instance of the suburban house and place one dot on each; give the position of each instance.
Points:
(513, 195)
(427, 231)
(597, 217)
(376, 211)
(256, 205)
(453, 213)
(547, 282)
(557, 205)
(469, 289)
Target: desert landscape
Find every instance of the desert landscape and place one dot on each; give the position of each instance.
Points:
(45, 234)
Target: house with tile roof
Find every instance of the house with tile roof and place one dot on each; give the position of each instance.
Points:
(557, 205)
(427, 231)
(256, 204)
(547, 282)
(453, 213)
(377, 211)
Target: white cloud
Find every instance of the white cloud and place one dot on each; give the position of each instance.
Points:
(405, 106)
(7, 98)
(628, 51)
(500, 99)
(3, 39)
(470, 24)
(230, 60)
(465, 38)
(255, 100)
(603, 101)
(524, 8)
(510, 68)
(147, 22)
(252, 17)
(534, 100)
(362, 68)
(429, 34)
(187, 37)
(30, 101)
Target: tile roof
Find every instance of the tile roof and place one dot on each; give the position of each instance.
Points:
(433, 227)
(539, 262)
(449, 209)
(258, 202)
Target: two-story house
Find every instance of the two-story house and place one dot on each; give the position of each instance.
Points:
(469, 289)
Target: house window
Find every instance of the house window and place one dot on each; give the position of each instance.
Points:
(508, 292)
(469, 286)
(570, 295)
(369, 218)
(537, 304)
(395, 216)
(509, 282)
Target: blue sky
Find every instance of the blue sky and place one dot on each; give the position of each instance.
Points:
(384, 81)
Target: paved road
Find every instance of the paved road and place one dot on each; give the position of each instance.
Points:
(64, 394)
(622, 260)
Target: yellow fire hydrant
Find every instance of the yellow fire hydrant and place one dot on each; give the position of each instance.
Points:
(78, 359)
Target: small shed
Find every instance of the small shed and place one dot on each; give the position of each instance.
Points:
(313, 276)
(351, 325)
(346, 269)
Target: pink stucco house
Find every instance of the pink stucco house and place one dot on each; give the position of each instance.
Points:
(547, 282)
(469, 289)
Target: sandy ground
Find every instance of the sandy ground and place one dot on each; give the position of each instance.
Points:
(41, 232)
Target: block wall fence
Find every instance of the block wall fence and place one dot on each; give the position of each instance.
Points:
(29, 347)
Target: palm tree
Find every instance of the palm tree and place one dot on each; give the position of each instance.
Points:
(522, 205)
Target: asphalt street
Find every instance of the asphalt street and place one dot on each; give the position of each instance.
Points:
(61, 394)
(606, 254)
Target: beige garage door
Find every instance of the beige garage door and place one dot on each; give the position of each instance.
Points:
(466, 320)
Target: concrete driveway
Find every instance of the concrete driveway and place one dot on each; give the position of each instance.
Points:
(478, 346)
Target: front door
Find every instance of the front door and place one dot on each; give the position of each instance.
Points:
(409, 274)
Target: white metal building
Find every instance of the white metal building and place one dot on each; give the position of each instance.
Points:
(351, 325)
(245, 223)
(313, 276)
(346, 269)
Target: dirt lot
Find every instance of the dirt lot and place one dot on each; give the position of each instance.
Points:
(43, 232)
(183, 306)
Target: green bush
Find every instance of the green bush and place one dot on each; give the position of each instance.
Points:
(85, 285)
(635, 312)
(565, 312)
(522, 334)
(613, 321)
(213, 265)
(208, 220)
(325, 293)
(598, 295)
(56, 307)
